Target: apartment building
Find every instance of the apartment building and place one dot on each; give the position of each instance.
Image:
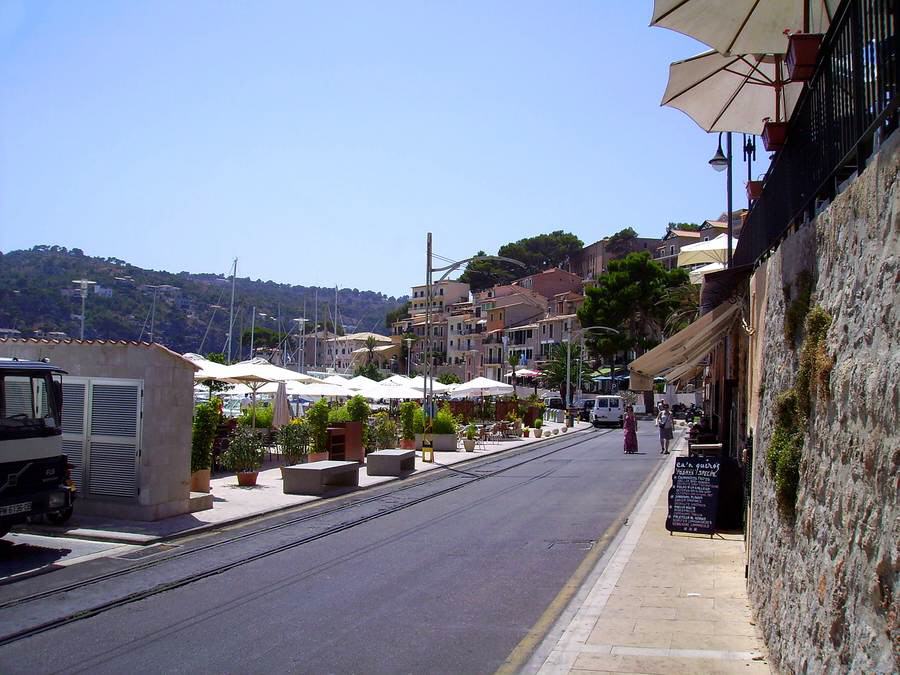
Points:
(593, 259)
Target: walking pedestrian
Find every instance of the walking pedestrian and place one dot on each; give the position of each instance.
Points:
(665, 424)
(629, 424)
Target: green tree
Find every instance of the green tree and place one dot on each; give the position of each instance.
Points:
(513, 360)
(537, 253)
(448, 378)
(371, 343)
(369, 370)
(619, 244)
(396, 314)
(689, 227)
(636, 297)
(561, 367)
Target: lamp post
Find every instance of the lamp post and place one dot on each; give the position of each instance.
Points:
(301, 357)
(83, 284)
(408, 342)
(429, 271)
(721, 162)
(581, 352)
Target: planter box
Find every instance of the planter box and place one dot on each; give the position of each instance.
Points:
(440, 442)
(754, 189)
(803, 48)
(200, 481)
(774, 135)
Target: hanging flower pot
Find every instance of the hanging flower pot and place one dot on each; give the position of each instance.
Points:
(803, 48)
(774, 135)
(754, 189)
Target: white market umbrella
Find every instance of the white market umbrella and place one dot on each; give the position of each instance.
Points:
(282, 409)
(397, 380)
(320, 389)
(360, 382)
(418, 382)
(731, 93)
(209, 370)
(744, 26)
(390, 392)
(481, 387)
(698, 274)
(706, 252)
(336, 380)
(260, 370)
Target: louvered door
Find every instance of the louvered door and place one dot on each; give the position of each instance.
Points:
(114, 440)
(75, 391)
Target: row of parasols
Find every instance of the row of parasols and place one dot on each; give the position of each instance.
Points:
(260, 376)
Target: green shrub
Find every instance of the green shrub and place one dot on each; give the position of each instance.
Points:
(471, 432)
(407, 419)
(358, 411)
(538, 423)
(244, 452)
(419, 421)
(797, 308)
(385, 431)
(443, 422)
(317, 419)
(207, 417)
(339, 414)
(293, 439)
(264, 416)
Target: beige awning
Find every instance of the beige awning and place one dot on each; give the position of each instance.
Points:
(683, 351)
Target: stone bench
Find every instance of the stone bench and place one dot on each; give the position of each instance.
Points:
(390, 462)
(315, 478)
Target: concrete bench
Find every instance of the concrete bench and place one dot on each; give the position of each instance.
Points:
(315, 478)
(390, 462)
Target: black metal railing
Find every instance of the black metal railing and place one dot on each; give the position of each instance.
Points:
(847, 109)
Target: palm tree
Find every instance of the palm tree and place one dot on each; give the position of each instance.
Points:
(514, 363)
(555, 373)
(370, 349)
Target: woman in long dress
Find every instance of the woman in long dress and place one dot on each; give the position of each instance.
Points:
(629, 424)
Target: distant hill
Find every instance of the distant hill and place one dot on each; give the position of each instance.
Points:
(37, 295)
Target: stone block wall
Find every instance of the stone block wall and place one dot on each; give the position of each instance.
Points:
(824, 584)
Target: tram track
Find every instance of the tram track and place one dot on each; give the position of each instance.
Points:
(15, 636)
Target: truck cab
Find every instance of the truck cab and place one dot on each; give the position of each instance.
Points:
(34, 472)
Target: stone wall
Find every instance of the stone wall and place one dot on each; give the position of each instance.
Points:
(824, 584)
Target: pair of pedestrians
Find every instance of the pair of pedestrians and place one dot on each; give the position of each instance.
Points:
(664, 422)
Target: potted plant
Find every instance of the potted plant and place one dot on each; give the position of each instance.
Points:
(754, 189)
(385, 431)
(538, 423)
(443, 430)
(207, 417)
(407, 425)
(469, 441)
(418, 427)
(526, 432)
(317, 419)
(803, 49)
(293, 439)
(244, 456)
(774, 134)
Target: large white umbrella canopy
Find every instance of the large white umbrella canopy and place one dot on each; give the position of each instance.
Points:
(336, 380)
(418, 382)
(390, 392)
(399, 380)
(731, 93)
(698, 274)
(320, 389)
(360, 382)
(260, 370)
(209, 370)
(705, 252)
(744, 26)
(482, 386)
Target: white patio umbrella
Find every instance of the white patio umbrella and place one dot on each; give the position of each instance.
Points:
(360, 382)
(705, 252)
(418, 382)
(282, 409)
(209, 370)
(260, 370)
(731, 93)
(320, 389)
(391, 392)
(744, 26)
(400, 380)
(481, 387)
(336, 380)
(698, 274)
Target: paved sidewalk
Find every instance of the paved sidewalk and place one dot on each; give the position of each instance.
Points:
(658, 603)
(233, 503)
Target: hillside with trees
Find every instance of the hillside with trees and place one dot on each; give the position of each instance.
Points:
(190, 312)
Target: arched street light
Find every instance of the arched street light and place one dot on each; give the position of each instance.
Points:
(721, 162)
(581, 353)
(447, 270)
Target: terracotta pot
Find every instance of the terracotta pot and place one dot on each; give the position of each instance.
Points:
(247, 478)
(754, 189)
(803, 48)
(525, 433)
(200, 481)
(407, 443)
(318, 456)
(774, 135)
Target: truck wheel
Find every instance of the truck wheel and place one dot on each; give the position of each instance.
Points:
(60, 517)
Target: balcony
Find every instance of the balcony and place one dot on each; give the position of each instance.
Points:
(848, 108)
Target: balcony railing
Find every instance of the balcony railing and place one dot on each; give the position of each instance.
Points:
(847, 109)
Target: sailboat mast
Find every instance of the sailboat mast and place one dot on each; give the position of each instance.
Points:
(231, 310)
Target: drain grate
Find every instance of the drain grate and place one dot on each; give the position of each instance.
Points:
(581, 545)
(147, 551)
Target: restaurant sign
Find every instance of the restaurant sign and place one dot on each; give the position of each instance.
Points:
(694, 495)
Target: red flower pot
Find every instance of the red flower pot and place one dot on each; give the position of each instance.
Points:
(247, 478)
(803, 48)
(774, 135)
(754, 189)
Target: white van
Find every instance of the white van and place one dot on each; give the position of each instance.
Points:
(606, 410)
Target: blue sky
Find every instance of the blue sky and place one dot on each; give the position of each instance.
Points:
(319, 141)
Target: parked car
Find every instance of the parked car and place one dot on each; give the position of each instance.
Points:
(553, 402)
(606, 410)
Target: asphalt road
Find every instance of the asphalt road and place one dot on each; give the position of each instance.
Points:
(444, 575)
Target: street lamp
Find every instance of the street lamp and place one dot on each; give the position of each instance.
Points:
(581, 352)
(301, 357)
(721, 162)
(429, 271)
(83, 284)
(408, 342)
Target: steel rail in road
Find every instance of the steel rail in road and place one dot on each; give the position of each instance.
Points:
(557, 446)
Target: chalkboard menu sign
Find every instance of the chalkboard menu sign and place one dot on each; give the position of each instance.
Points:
(694, 495)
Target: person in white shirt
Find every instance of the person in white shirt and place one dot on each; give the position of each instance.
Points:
(665, 424)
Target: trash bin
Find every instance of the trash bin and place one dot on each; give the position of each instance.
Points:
(570, 419)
